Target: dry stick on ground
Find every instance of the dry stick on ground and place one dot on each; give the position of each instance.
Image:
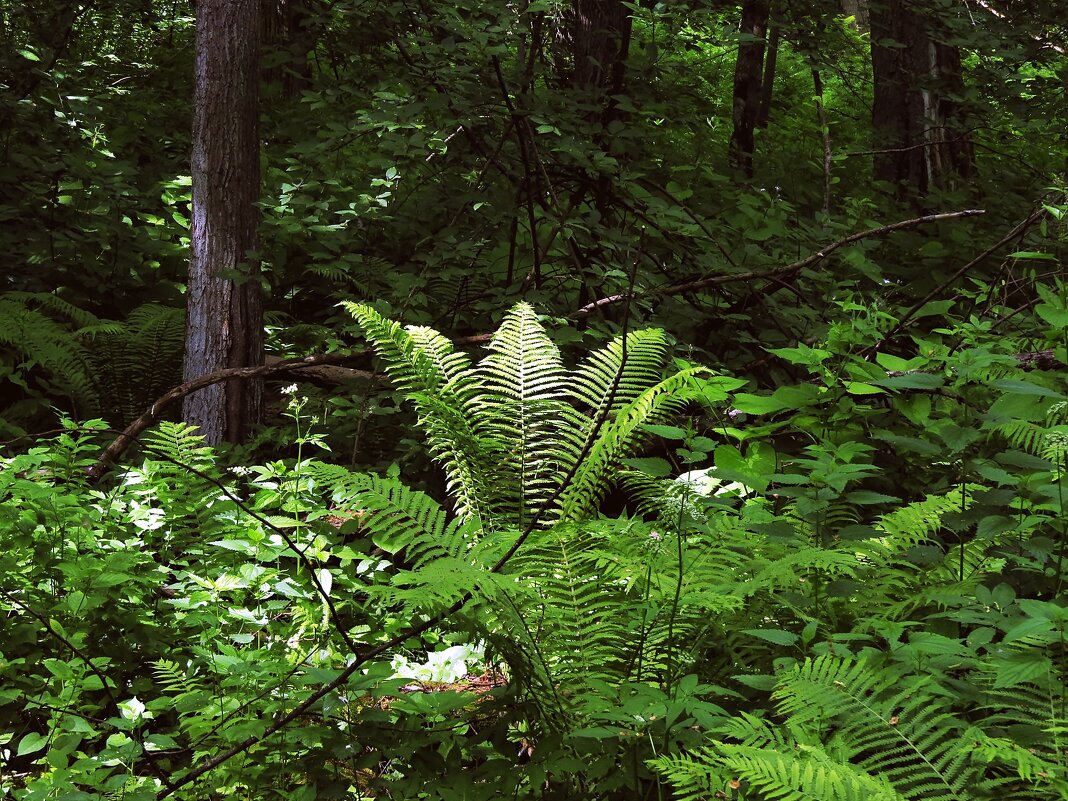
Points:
(778, 272)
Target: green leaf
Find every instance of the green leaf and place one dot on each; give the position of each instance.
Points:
(1017, 668)
(866, 497)
(30, 743)
(776, 636)
(792, 398)
(920, 381)
(802, 355)
(1056, 317)
(858, 388)
(667, 432)
(1033, 254)
(895, 363)
(651, 466)
(1026, 388)
(29, 55)
(758, 682)
(754, 470)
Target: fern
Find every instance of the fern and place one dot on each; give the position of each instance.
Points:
(905, 734)
(917, 522)
(100, 367)
(397, 518)
(50, 350)
(509, 430)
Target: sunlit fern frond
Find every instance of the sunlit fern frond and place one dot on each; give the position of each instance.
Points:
(767, 766)
(620, 437)
(511, 430)
(174, 445)
(590, 382)
(398, 518)
(529, 432)
(410, 366)
(573, 603)
(422, 365)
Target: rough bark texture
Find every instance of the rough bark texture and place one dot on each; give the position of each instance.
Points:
(767, 83)
(289, 33)
(919, 132)
(599, 32)
(748, 75)
(225, 318)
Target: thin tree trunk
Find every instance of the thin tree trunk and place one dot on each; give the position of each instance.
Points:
(919, 134)
(767, 83)
(825, 134)
(747, 84)
(599, 31)
(224, 316)
(289, 30)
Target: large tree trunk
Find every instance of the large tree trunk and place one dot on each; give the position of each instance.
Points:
(225, 317)
(748, 81)
(919, 134)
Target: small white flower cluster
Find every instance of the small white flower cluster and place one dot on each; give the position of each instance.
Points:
(444, 666)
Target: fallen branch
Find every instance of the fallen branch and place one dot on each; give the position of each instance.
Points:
(155, 412)
(938, 290)
(777, 272)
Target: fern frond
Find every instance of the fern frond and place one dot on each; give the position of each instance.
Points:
(509, 431)
(621, 436)
(53, 349)
(402, 519)
(917, 522)
(421, 363)
(519, 415)
(181, 443)
(589, 383)
(797, 773)
(53, 303)
(906, 735)
(411, 366)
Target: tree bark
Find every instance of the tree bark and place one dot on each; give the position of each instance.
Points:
(225, 316)
(767, 83)
(748, 74)
(599, 33)
(919, 134)
(290, 35)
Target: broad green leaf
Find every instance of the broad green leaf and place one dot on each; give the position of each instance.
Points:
(31, 743)
(667, 432)
(1057, 317)
(920, 381)
(776, 636)
(1026, 388)
(858, 388)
